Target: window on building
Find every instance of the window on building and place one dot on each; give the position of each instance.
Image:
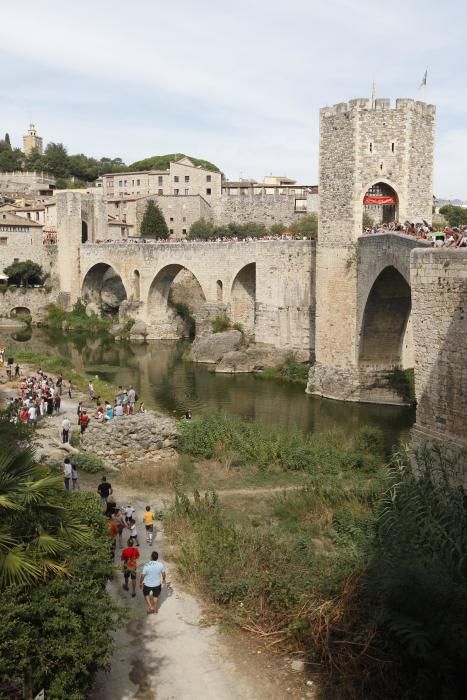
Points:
(176, 178)
(184, 231)
(171, 218)
(186, 190)
(171, 231)
(208, 191)
(176, 191)
(137, 183)
(160, 191)
(208, 178)
(187, 178)
(300, 205)
(125, 182)
(37, 216)
(4, 241)
(132, 183)
(120, 183)
(160, 180)
(184, 219)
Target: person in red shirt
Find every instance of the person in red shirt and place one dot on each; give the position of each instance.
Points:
(129, 558)
(83, 421)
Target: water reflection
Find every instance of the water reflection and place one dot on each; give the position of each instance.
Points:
(159, 372)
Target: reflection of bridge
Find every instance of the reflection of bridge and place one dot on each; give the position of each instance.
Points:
(267, 286)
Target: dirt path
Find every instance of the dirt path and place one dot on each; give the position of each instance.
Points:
(174, 655)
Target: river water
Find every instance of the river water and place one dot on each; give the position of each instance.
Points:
(172, 384)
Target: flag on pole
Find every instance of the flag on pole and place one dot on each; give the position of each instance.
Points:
(423, 83)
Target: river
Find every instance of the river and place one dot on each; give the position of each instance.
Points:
(172, 384)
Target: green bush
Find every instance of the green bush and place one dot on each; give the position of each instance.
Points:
(63, 629)
(201, 230)
(305, 226)
(75, 437)
(89, 462)
(277, 229)
(221, 323)
(371, 440)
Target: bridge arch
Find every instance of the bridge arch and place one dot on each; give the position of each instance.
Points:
(175, 294)
(243, 298)
(103, 286)
(20, 311)
(384, 322)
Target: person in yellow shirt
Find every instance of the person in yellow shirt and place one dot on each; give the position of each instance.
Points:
(149, 519)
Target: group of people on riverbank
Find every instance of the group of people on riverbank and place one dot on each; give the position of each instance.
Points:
(40, 396)
(125, 404)
(446, 237)
(153, 574)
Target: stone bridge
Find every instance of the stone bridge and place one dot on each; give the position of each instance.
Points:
(363, 320)
(267, 286)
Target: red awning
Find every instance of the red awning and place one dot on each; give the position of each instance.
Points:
(367, 199)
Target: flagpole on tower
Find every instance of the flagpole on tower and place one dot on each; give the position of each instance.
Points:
(373, 94)
(423, 83)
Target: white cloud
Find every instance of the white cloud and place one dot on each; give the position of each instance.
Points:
(238, 83)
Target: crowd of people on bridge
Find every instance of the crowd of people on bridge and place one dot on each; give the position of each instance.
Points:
(190, 241)
(455, 237)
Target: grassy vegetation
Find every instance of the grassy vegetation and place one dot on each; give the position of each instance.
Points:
(59, 364)
(290, 371)
(221, 323)
(77, 319)
(361, 569)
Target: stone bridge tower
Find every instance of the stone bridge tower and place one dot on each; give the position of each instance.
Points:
(381, 159)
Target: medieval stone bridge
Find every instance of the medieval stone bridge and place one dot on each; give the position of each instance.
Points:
(267, 286)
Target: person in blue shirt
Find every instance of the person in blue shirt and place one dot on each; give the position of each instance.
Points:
(151, 582)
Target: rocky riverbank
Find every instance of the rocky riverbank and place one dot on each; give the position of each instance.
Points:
(143, 437)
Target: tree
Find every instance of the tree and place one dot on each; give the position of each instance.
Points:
(56, 160)
(153, 224)
(34, 160)
(24, 273)
(11, 159)
(456, 216)
(201, 230)
(277, 229)
(37, 530)
(7, 141)
(305, 226)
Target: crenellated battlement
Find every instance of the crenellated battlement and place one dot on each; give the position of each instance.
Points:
(363, 104)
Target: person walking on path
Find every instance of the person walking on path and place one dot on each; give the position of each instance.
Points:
(16, 371)
(67, 472)
(133, 530)
(104, 490)
(74, 477)
(57, 402)
(120, 523)
(83, 420)
(149, 519)
(66, 425)
(79, 411)
(129, 558)
(151, 582)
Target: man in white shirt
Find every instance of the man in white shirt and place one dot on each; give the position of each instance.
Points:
(152, 577)
(65, 430)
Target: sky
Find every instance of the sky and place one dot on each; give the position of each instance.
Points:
(238, 83)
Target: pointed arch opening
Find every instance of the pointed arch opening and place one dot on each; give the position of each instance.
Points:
(381, 203)
(385, 319)
(103, 287)
(243, 298)
(175, 295)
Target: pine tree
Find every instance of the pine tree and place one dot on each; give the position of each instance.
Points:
(153, 224)
(7, 141)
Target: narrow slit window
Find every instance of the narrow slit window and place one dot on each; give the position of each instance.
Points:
(392, 146)
(371, 147)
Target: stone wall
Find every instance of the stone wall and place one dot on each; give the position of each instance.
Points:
(27, 246)
(266, 209)
(35, 300)
(439, 293)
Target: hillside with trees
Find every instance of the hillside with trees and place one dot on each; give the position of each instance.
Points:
(78, 169)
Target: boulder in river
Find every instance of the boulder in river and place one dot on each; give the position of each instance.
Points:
(211, 348)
